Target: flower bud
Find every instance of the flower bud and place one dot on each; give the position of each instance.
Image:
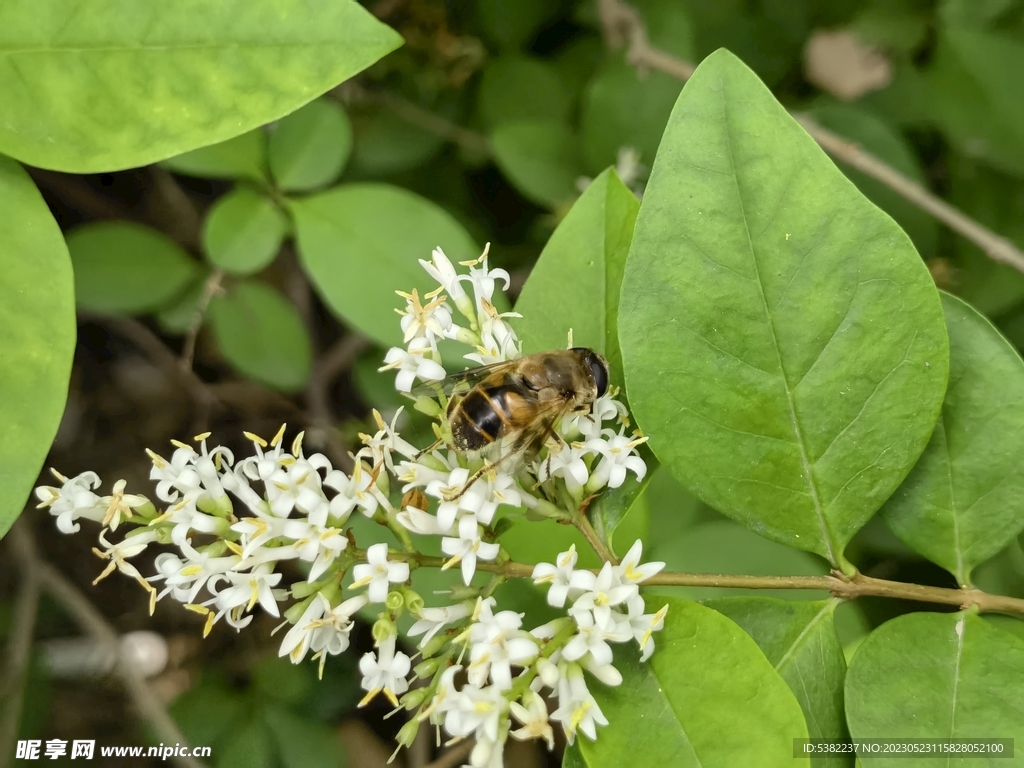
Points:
(426, 668)
(437, 642)
(383, 628)
(414, 698)
(460, 593)
(294, 613)
(548, 672)
(407, 734)
(413, 602)
(395, 601)
(428, 406)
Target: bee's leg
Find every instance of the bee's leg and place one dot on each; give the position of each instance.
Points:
(522, 443)
(433, 447)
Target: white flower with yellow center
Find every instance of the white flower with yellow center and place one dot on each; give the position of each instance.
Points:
(384, 672)
(377, 573)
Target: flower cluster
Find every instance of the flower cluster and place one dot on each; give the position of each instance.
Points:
(233, 524)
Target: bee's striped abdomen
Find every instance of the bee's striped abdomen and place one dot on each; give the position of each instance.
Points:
(481, 417)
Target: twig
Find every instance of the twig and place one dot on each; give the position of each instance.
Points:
(840, 585)
(996, 247)
(19, 647)
(429, 121)
(622, 25)
(93, 623)
(210, 289)
(158, 353)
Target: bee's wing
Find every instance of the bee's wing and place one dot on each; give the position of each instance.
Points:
(463, 380)
(520, 447)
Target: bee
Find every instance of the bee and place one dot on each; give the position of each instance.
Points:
(516, 406)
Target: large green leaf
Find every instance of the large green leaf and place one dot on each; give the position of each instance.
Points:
(783, 343)
(800, 640)
(577, 279)
(708, 698)
(964, 500)
(934, 676)
(540, 158)
(104, 86)
(361, 242)
(262, 335)
(124, 268)
(37, 313)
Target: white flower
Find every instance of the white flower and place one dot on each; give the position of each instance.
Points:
(432, 321)
(194, 477)
(246, 589)
(387, 440)
(467, 548)
(534, 717)
(298, 639)
(355, 490)
(601, 593)
(566, 463)
(644, 625)
(376, 573)
(629, 571)
(592, 638)
(186, 578)
(481, 499)
(496, 643)
(441, 269)
(385, 672)
(324, 630)
(589, 425)
(412, 363)
(295, 484)
(431, 620)
(475, 710)
(559, 576)
(483, 280)
(118, 553)
(618, 454)
(74, 499)
(577, 709)
(423, 523)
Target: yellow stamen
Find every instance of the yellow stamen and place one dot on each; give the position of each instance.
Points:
(256, 439)
(279, 436)
(199, 438)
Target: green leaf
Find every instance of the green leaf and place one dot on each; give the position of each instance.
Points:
(101, 87)
(800, 640)
(622, 110)
(511, 23)
(995, 200)
(539, 157)
(243, 157)
(782, 341)
(207, 712)
(309, 148)
(248, 746)
(243, 231)
(385, 144)
(37, 313)
(964, 500)
(885, 143)
(303, 743)
(575, 283)
(708, 697)
(261, 334)
(935, 676)
(974, 93)
(519, 88)
(361, 242)
(124, 268)
(722, 546)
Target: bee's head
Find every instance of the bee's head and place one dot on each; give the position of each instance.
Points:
(598, 367)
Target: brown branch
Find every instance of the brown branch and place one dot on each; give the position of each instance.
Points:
(210, 289)
(840, 585)
(92, 622)
(19, 647)
(623, 26)
(158, 353)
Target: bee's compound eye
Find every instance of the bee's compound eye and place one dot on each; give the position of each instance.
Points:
(600, 370)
